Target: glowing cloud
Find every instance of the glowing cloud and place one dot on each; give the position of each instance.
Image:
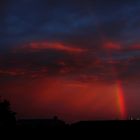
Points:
(134, 47)
(44, 45)
(112, 46)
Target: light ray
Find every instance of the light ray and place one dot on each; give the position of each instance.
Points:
(120, 99)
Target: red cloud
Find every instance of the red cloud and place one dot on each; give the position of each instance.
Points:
(112, 45)
(23, 72)
(12, 72)
(37, 46)
(134, 47)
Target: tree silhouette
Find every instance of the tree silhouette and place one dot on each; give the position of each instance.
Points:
(7, 117)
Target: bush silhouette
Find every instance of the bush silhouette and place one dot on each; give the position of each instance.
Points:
(7, 117)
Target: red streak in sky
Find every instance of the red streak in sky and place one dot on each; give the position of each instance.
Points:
(58, 46)
(112, 46)
(121, 100)
(120, 93)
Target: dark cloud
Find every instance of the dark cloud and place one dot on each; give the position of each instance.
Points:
(30, 20)
(82, 24)
(85, 65)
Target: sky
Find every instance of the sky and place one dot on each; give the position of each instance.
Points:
(77, 59)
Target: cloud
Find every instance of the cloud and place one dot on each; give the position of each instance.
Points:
(106, 63)
(112, 46)
(74, 37)
(44, 45)
(133, 47)
(52, 20)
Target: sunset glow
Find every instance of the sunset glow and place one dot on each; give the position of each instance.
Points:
(75, 59)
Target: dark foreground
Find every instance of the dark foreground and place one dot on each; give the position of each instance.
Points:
(55, 128)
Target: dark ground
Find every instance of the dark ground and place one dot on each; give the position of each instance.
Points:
(51, 128)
